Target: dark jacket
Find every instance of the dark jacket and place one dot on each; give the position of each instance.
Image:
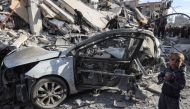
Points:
(113, 24)
(173, 87)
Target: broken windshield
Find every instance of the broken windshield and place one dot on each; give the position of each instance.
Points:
(119, 48)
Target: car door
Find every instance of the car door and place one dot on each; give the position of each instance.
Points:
(104, 61)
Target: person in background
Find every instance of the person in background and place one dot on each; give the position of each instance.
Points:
(78, 17)
(188, 32)
(161, 27)
(156, 24)
(169, 31)
(113, 23)
(173, 79)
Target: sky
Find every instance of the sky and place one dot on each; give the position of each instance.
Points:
(182, 6)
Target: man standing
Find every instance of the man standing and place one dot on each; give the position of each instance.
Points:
(161, 27)
(78, 17)
(113, 23)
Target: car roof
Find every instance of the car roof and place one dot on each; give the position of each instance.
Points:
(104, 35)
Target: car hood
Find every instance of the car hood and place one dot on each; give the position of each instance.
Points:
(28, 55)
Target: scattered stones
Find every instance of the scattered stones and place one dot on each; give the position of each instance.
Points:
(12, 34)
(79, 102)
(120, 104)
(142, 94)
(154, 88)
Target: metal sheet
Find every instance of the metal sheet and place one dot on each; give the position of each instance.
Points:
(28, 55)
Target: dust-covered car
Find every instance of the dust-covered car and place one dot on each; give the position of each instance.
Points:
(109, 59)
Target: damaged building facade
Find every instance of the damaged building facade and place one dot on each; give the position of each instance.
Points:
(153, 9)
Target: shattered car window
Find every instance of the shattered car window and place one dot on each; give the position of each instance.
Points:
(132, 46)
(101, 63)
(119, 48)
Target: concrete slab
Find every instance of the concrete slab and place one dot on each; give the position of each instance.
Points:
(62, 13)
(19, 7)
(19, 41)
(91, 16)
(35, 20)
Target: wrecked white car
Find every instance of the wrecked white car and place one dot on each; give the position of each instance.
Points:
(110, 59)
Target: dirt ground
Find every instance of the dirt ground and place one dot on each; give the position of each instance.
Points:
(106, 99)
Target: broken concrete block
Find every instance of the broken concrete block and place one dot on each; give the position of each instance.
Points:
(20, 41)
(57, 23)
(43, 39)
(63, 14)
(120, 104)
(75, 28)
(60, 27)
(12, 34)
(30, 43)
(35, 19)
(19, 7)
(154, 88)
(62, 42)
(109, 15)
(79, 102)
(91, 16)
(140, 16)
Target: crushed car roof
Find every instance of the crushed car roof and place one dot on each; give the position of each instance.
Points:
(106, 34)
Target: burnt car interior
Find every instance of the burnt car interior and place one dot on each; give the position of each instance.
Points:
(104, 62)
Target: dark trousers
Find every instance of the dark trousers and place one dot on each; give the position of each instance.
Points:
(166, 102)
(161, 31)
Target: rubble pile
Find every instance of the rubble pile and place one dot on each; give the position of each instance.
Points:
(46, 22)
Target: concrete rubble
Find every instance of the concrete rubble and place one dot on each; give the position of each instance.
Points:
(55, 25)
(58, 18)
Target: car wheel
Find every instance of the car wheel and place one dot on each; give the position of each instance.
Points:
(49, 92)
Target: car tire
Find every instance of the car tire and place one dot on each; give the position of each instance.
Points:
(49, 92)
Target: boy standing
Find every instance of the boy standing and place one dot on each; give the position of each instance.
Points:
(173, 79)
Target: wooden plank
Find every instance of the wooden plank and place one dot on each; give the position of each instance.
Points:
(63, 14)
(20, 9)
(91, 16)
(20, 41)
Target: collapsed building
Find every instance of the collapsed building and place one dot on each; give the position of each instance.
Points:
(55, 25)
